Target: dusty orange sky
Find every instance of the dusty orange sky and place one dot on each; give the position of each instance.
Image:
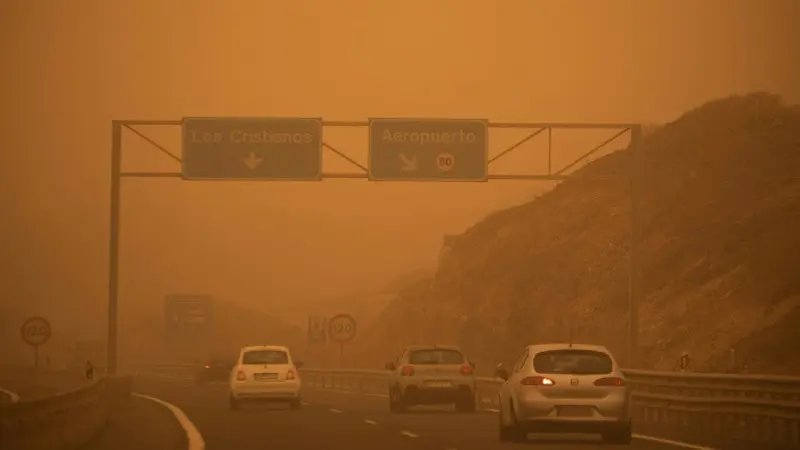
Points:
(70, 67)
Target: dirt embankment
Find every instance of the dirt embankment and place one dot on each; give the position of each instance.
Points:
(719, 209)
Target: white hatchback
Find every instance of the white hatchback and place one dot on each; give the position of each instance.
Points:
(265, 373)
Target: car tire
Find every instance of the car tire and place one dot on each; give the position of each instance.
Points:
(396, 402)
(468, 404)
(505, 432)
(233, 403)
(618, 436)
(519, 433)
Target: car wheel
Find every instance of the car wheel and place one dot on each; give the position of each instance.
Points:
(518, 432)
(396, 402)
(504, 431)
(618, 436)
(234, 404)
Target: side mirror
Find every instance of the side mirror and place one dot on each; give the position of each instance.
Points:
(298, 364)
(472, 363)
(390, 366)
(501, 372)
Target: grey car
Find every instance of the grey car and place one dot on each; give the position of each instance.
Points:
(564, 388)
(431, 375)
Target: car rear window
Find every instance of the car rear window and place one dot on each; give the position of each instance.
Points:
(435, 356)
(265, 357)
(575, 362)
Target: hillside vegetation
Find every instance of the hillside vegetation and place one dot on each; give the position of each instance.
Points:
(719, 208)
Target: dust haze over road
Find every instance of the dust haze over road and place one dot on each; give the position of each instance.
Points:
(74, 67)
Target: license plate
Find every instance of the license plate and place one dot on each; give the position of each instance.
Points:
(438, 384)
(575, 411)
(265, 376)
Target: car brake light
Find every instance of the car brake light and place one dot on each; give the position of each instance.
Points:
(240, 376)
(610, 381)
(466, 369)
(207, 366)
(407, 371)
(290, 375)
(537, 381)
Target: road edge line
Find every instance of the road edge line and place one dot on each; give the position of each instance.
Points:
(193, 437)
(15, 398)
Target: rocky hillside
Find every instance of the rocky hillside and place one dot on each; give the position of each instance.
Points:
(719, 208)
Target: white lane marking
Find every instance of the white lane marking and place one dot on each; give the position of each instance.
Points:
(11, 395)
(635, 436)
(371, 422)
(193, 436)
(408, 433)
(671, 442)
(334, 410)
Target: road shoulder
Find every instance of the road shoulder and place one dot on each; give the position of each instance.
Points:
(140, 423)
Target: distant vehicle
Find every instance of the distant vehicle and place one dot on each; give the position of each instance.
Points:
(564, 388)
(216, 369)
(431, 375)
(265, 373)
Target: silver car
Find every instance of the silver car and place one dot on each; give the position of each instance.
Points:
(564, 388)
(431, 375)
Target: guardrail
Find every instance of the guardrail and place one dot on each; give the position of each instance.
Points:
(724, 411)
(63, 421)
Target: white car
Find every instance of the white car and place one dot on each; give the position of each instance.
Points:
(265, 373)
(565, 388)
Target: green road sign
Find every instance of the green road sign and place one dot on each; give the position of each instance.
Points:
(252, 148)
(428, 149)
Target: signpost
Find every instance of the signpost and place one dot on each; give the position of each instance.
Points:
(342, 329)
(428, 149)
(36, 331)
(252, 148)
(317, 330)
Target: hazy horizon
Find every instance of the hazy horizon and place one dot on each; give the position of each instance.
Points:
(77, 66)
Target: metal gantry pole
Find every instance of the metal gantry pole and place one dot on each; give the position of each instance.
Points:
(634, 281)
(113, 246)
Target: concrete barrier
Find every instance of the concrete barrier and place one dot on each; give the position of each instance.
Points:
(63, 421)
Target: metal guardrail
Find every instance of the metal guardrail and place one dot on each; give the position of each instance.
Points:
(727, 411)
(63, 421)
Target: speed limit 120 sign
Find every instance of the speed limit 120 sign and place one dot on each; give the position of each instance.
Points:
(36, 331)
(342, 328)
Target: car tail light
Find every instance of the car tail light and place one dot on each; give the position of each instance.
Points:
(290, 374)
(240, 376)
(466, 369)
(610, 381)
(407, 371)
(537, 381)
(207, 366)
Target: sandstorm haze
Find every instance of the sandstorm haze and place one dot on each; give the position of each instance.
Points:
(72, 67)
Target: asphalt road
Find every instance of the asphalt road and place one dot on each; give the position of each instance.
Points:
(334, 420)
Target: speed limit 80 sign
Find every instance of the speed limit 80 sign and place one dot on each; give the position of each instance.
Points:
(36, 331)
(342, 328)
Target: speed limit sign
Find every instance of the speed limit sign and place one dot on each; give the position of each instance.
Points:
(445, 162)
(342, 328)
(36, 331)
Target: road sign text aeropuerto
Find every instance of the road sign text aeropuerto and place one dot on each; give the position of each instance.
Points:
(252, 148)
(428, 149)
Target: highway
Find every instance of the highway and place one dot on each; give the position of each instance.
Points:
(331, 420)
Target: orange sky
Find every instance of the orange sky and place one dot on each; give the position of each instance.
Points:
(71, 67)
